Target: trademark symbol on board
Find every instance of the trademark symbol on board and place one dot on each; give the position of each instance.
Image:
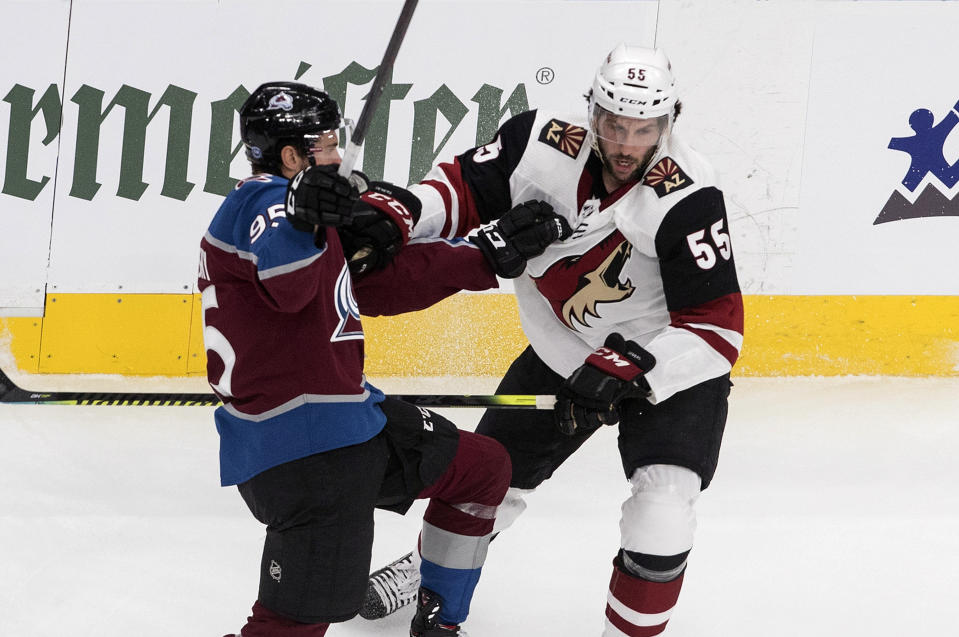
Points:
(545, 75)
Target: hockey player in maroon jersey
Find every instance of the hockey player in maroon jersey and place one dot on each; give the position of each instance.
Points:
(311, 445)
(634, 321)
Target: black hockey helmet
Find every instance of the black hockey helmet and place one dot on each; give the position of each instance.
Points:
(279, 114)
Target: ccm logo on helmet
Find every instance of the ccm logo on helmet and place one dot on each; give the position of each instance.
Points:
(630, 101)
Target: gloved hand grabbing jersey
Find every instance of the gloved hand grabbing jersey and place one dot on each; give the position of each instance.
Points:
(380, 224)
(319, 196)
(520, 234)
(590, 397)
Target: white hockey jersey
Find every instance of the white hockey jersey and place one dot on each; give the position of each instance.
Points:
(652, 260)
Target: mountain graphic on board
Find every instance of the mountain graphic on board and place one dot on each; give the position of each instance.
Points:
(930, 203)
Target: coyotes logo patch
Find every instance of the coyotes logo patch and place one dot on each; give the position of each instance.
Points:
(566, 138)
(575, 286)
(666, 177)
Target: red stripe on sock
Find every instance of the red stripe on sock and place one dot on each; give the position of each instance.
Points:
(642, 595)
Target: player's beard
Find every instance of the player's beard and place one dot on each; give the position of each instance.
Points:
(618, 164)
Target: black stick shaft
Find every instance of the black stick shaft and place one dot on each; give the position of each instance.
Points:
(11, 393)
(376, 91)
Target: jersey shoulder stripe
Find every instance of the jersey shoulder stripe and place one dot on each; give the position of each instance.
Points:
(251, 223)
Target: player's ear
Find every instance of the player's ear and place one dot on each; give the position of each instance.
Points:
(291, 159)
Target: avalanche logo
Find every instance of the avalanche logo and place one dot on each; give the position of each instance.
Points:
(349, 327)
(928, 166)
(575, 286)
(280, 101)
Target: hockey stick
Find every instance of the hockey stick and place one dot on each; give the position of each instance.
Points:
(490, 401)
(373, 99)
(10, 393)
(13, 394)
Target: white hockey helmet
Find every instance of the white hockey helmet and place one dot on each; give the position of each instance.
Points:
(634, 82)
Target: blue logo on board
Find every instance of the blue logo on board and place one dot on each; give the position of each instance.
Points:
(926, 148)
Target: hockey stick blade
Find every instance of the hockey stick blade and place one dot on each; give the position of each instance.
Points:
(11, 393)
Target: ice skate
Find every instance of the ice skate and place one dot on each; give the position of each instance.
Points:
(425, 622)
(391, 588)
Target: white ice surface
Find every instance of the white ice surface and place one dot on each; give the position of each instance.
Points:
(834, 512)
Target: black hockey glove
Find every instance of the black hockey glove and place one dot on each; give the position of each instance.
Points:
(520, 234)
(319, 196)
(590, 397)
(379, 226)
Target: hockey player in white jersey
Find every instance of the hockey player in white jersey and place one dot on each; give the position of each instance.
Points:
(634, 321)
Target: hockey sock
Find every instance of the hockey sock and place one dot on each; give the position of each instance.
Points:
(636, 607)
(458, 522)
(265, 623)
(455, 588)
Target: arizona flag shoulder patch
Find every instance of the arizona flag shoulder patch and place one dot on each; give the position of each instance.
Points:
(666, 177)
(566, 138)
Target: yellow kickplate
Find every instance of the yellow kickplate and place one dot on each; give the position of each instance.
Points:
(479, 335)
(22, 337)
(840, 335)
(143, 334)
(464, 335)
